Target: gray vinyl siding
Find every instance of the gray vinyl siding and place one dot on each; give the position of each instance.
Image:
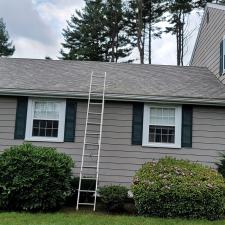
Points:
(207, 49)
(119, 159)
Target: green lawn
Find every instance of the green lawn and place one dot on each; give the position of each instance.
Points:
(87, 218)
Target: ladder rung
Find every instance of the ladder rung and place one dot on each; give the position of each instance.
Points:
(91, 167)
(92, 134)
(90, 155)
(95, 84)
(89, 191)
(92, 123)
(83, 203)
(91, 144)
(95, 103)
(88, 178)
(98, 76)
(95, 113)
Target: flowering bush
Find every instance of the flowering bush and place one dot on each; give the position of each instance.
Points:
(179, 188)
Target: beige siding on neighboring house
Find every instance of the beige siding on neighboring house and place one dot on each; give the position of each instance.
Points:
(207, 49)
(119, 159)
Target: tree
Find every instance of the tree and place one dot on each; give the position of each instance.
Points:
(83, 35)
(97, 32)
(178, 19)
(119, 44)
(154, 10)
(6, 46)
(178, 10)
(144, 16)
(137, 25)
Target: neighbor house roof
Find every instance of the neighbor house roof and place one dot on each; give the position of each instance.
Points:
(129, 82)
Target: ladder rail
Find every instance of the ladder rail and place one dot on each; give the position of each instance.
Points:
(100, 140)
(85, 135)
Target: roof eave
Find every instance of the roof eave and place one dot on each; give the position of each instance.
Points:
(119, 97)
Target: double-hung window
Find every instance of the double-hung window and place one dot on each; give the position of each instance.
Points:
(162, 126)
(45, 120)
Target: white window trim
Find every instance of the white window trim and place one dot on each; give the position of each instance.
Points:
(178, 123)
(223, 71)
(29, 123)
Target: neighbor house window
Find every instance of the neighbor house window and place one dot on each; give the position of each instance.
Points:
(45, 120)
(162, 126)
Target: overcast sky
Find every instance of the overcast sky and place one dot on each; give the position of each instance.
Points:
(35, 26)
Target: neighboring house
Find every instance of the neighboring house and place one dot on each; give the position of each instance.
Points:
(209, 48)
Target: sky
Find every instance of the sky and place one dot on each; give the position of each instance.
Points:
(35, 27)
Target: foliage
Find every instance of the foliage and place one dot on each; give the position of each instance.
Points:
(84, 197)
(6, 47)
(113, 197)
(144, 17)
(97, 33)
(179, 188)
(221, 165)
(34, 178)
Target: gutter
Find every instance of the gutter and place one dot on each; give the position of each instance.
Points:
(118, 97)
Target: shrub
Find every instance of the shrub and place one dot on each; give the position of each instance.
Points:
(84, 196)
(113, 197)
(221, 165)
(179, 188)
(34, 178)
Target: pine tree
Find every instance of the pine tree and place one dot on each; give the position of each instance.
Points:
(83, 35)
(144, 16)
(137, 26)
(97, 33)
(179, 11)
(154, 10)
(6, 46)
(119, 44)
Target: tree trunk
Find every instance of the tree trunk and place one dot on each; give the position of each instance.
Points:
(140, 42)
(150, 34)
(150, 43)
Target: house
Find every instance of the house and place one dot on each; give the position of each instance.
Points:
(209, 48)
(151, 111)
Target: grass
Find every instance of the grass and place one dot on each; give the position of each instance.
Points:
(88, 218)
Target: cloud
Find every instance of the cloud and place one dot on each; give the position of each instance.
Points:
(35, 26)
(26, 47)
(24, 21)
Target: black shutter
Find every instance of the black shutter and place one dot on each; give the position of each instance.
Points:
(21, 118)
(137, 123)
(187, 112)
(70, 120)
(221, 59)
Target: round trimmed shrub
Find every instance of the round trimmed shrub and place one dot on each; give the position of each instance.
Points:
(34, 178)
(179, 188)
(113, 197)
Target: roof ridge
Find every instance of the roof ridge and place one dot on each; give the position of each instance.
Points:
(109, 63)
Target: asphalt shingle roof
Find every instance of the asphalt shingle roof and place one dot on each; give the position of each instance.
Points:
(124, 81)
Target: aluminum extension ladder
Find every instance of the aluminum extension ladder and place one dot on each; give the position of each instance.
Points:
(92, 149)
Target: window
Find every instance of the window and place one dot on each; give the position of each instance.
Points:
(45, 120)
(162, 126)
